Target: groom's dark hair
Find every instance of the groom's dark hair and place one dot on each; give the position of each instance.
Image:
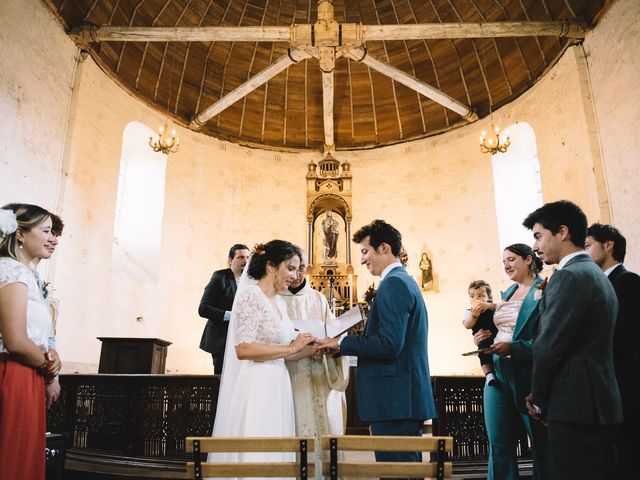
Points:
(380, 232)
(553, 215)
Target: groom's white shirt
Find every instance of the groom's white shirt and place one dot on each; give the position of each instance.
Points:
(390, 267)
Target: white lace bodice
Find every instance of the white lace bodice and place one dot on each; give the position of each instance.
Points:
(260, 319)
(39, 327)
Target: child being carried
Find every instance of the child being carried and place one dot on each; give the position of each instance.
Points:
(480, 317)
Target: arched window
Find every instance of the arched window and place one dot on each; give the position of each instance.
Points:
(517, 187)
(140, 203)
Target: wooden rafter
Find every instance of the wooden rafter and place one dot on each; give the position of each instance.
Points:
(284, 62)
(360, 55)
(426, 31)
(327, 104)
(329, 38)
(433, 31)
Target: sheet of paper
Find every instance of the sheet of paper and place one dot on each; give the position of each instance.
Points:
(315, 326)
(337, 326)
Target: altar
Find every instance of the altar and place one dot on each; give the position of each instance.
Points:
(329, 215)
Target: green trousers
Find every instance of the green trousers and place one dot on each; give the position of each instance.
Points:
(503, 421)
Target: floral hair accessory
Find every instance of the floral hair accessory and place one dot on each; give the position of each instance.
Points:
(540, 288)
(8, 222)
(258, 248)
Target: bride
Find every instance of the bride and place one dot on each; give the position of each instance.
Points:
(255, 397)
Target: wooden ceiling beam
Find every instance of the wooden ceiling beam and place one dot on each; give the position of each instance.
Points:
(360, 55)
(294, 34)
(91, 34)
(433, 31)
(285, 61)
(327, 107)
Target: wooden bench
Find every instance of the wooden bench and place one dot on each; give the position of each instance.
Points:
(300, 468)
(341, 467)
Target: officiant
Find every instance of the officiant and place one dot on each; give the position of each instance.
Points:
(318, 382)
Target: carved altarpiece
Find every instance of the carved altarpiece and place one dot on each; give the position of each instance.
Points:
(329, 214)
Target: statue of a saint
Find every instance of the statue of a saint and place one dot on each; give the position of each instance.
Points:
(427, 270)
(330, 230)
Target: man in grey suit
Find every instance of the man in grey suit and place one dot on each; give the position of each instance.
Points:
(393, 383)
(216, 304)
(573, 386)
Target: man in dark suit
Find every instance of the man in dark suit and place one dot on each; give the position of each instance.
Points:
(393, 382)
(607, 247)
(216, 304)
(573, 385)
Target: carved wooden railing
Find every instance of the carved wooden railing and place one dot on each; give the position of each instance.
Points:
(144, 419)
(459, 400)
(134, 415)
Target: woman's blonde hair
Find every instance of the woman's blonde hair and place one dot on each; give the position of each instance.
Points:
(28, 217)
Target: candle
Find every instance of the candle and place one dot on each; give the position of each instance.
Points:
(350, 291)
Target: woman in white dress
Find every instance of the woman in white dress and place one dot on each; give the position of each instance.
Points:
(255, 397)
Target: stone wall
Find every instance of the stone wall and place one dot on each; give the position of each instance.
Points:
(438, 191)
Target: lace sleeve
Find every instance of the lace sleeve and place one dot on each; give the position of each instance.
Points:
(246, 311)
(12, 271)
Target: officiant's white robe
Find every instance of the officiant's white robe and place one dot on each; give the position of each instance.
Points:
(318, 384)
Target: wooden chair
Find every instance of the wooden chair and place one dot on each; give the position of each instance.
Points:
(336, 467)
(300, 446)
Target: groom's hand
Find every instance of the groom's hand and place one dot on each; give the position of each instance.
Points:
(329, 345)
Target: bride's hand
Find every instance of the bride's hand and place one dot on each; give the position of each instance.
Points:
(302, 340)
(307, 351)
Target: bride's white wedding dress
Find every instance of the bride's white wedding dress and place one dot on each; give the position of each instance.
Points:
(255, 398)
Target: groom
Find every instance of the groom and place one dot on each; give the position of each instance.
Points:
(393, 383)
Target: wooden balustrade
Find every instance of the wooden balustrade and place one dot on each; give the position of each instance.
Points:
(129, 422)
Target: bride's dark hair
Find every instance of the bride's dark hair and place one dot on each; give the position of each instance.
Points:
(274, 252)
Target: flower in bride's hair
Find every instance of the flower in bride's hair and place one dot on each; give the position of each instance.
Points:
(258, 248)
(537, 295)
(8, 222)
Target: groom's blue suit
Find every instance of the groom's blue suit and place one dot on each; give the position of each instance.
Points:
(394, 386)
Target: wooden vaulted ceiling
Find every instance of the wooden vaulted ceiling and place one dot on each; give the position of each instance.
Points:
(369, 108)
